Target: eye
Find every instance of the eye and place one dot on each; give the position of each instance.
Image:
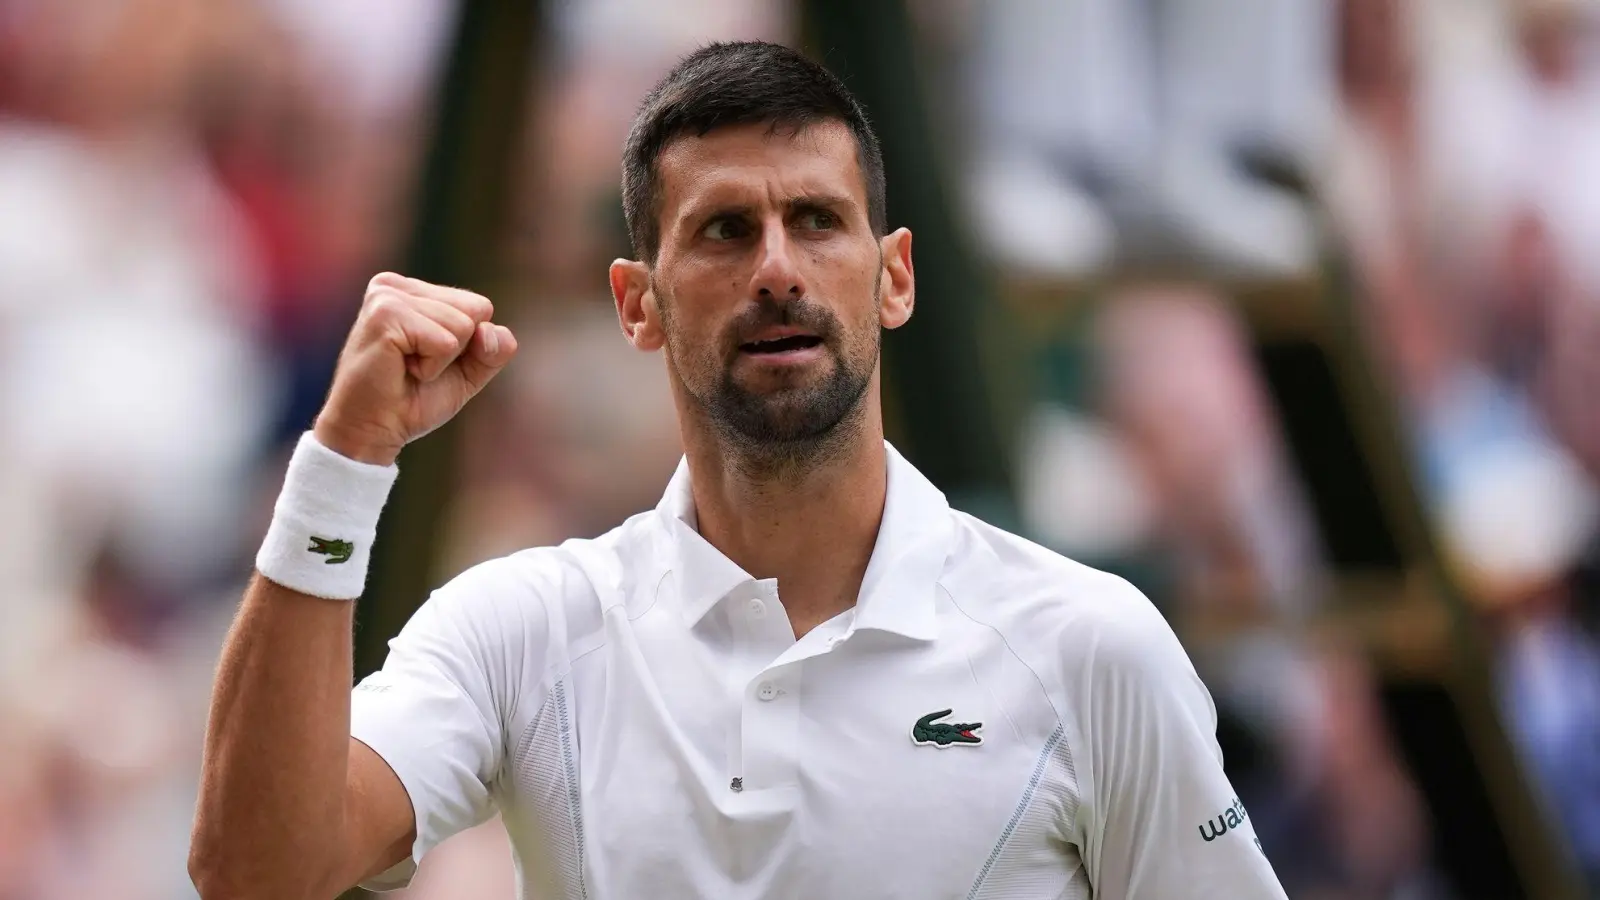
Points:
(818, 220)
(725, 228)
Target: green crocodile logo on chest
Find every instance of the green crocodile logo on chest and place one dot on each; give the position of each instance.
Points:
(945, 734)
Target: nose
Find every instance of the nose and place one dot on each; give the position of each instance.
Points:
(777, 274)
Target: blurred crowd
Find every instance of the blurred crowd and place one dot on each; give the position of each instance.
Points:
(194, 192)
(1445, 154)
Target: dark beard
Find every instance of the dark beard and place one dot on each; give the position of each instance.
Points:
(796, 428)
(793, 429)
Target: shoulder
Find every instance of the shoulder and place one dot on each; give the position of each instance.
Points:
(1075, 625)
(503, 630)
(1010, 577)
(548, 594)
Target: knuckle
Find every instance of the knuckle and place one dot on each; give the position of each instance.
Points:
(441, 333)
(454, 321)
(383, 304)
(473, 306)
(384, 279)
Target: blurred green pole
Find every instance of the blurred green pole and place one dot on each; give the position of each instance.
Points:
(462, 207)
(933, 367)
(1336, 407)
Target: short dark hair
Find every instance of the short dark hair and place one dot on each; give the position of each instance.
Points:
(737, 83)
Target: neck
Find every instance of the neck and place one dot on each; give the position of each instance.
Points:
(812, 527)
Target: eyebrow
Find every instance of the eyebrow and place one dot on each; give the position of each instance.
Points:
(800, 203)
(816, 201)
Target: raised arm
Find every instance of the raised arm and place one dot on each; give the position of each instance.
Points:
(290, 806)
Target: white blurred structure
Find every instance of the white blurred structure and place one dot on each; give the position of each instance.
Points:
(1107, 124)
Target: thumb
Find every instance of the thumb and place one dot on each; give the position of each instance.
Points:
(491, 348)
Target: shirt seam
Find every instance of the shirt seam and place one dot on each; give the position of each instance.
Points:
(1082, 782)
(556, 693)
(574, 789)
(655, 596)
(558, 673)
(1039, 767)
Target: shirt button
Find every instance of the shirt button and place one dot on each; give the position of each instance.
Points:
(767, 691)
(757, 609)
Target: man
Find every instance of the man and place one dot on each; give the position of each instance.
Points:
(802, 675)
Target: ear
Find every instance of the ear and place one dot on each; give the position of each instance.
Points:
(636, 304)
(899, 285)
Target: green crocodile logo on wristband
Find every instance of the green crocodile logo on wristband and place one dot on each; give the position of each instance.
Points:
(335, 550)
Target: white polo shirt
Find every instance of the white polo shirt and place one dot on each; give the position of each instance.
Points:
(990, 720)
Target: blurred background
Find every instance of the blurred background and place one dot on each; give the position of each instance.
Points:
(1286, 310)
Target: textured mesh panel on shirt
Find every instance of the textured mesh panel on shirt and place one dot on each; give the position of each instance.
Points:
(1027, 860)
(545, 812)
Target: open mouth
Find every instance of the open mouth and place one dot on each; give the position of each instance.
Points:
(782, 345)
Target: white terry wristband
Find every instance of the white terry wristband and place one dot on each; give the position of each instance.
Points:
(320, 540)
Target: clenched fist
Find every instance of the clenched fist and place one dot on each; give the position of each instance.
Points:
(417, 353)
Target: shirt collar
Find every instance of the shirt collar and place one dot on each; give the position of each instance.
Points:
(897, 592)
(704, 576)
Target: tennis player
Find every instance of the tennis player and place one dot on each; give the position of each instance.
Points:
(801, 675)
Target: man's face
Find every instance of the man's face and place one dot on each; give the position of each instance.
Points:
(768, 282)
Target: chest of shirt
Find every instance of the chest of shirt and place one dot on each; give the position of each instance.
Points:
(725, 759)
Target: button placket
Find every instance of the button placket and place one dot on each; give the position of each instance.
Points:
(768, 704)
(770, 728)
(761, 616)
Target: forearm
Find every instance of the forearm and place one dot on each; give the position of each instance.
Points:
(288, 808)
(271, 817)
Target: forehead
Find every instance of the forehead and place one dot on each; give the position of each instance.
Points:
(747, 163)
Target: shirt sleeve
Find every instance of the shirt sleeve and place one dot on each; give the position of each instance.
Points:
(1158, 819)
(436, 710)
